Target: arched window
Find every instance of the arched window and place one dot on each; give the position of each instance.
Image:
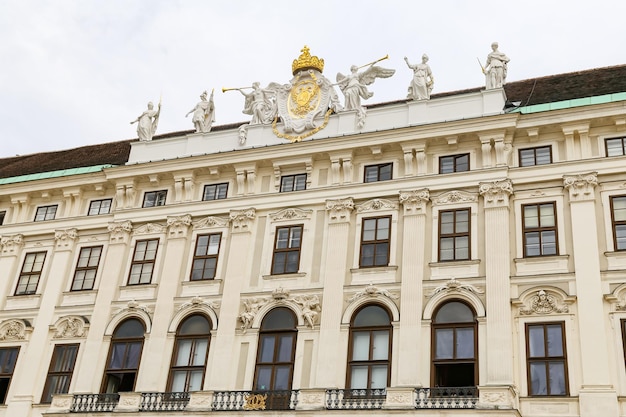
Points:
(124, 355)
(370, 348)
(454, 346)
(276, 352)
(190, 355)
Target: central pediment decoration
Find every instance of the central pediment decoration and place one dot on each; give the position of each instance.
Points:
(307, 307)
(291, 214)
(70, 327)
(454, 285)
(149, 228)
(543, 302)
(377, 204)
(210, 221)
(13, 329)
(372, 291)
(454, 197)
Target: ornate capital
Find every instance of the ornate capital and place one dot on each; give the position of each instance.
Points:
(10, 244)
(414, 202)
(339, 210)
(496, 193)
(65, 238)
(376, 204)
(178, 226)
(581, 186)
(120, 231)
(241, 220)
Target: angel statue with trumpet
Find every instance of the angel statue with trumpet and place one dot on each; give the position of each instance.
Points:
(354, 85)
(260, 102)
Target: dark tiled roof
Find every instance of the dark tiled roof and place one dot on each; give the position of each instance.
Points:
(581, 84)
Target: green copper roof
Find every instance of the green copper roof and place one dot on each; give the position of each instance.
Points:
(566, 104)
(54, 174)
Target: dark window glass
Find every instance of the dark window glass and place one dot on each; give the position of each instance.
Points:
(454, 347)
(215, 191)
(60, 371)
(539, 227)
(618, 220)
(615, 146)
(454, 235)
(154, 198)
(143, 262)
(30, 274)
(46, 213)
(375, 241)
(370, 349)
(547, 362)
(454, 163)
(205, 256)
(100, 207)
(380, 172)
(8, 357)
(124, 356)
(292, 183)
(2, 215)
(286, 259)
(86, 268)
(535, 156)
(190, 354)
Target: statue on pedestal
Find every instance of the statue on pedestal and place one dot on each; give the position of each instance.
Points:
(496, 68)
(423, 80)
(203, 114)
(147, 122)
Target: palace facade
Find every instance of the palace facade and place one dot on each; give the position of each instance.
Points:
(465, 252)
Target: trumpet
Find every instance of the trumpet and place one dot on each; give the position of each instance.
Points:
(373, 62)
(224, 89)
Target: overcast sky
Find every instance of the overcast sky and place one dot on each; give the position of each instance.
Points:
(76, 72)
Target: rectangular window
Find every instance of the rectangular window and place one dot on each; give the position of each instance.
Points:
(286, 258)
(2, 215)
(618, 220)
(539, 228)
(205, 256)
(46, 213)
(292, 183)
(8, 357)
(375, 240)
(535, 156)
(454, 163)
(215, 191)
(380, 172)
(154, 198)
(86, 268)
(100, 207)
(454, 235)
(143, 262)
(615, 146)
(30, 274)
(546, 359)
(60, 371)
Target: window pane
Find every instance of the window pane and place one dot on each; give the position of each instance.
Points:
(380, 348)
(360, 346)
(184, 352)
(462, 248)
(372, 315)
(371, 174)
(620, 236)
(369, 230)
(385, 172)
(447, 222)
(300, 182)
(614, 147)
(263, 377)
(532, 244)
(548, 243)
(446, 248)
(446, 165)
(199, 354)
(267, 349)
(454, 312)
(444, 339)
(132, 355)
(531, 218)
(556, 370)
(547, 215)
(367, 255)
(543, 155)
(379, 377)
(382, 250)
(383, 228)
(555, 340)
(214, 244)
(538, 380)
(536, 343)
(292, 262)
(462, 221)
(282, 238)
(178, 381)
(358, 377)
(296, 234)
(619, 208)
(195, 381)
(281, 377)
(462, 163)
(464, 343)
(285, 346)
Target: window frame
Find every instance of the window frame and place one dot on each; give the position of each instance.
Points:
(377, 168)
(160, 198)
(205, 257)
(287, 250)
(534, 155)
(623, 143)
(455, 163)
(99, 212)
(143, 261)
(375, 242)
(540, 229)
(7, 375)
(49, 390)
(546, 359)
(216, 194)
(46, 213)
(615, 223)
(28, 274)
(454, 235)
(295, 184)
(126, 341)
(194, 337)
(84, 269)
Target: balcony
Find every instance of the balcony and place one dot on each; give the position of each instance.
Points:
(446, 397)
(355, 399)
(94, 403)
(255, 400)
(163, 401)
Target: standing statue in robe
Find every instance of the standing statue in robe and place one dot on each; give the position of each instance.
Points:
(423, 80)
(496, 68)
(147, 122)
(203, 114)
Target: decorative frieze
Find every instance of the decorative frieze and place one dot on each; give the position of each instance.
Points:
(453, 285)
(544, 302)
(376, 204)
(209, 222)
(414, 202)
(291, 214)
(308, 307)
(372, 291)
(496, 193)
(149, 228)
(455, 197)
(339, 210)
(581, 186)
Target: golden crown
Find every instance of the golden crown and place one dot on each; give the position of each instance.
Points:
(306, 61)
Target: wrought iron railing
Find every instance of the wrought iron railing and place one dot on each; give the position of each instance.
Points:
(255, 400)
(94, 403)
(446, 397)
(163, 401)
(355, 399)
